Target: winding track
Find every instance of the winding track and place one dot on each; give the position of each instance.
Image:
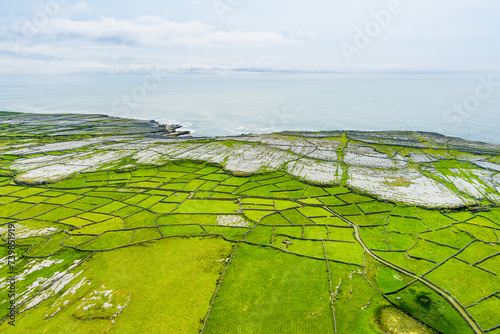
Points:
(434, 287)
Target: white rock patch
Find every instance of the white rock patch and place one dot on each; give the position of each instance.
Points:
(232, 220)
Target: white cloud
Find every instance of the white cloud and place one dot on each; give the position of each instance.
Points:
(119, 35)
(154, 31)
(76, 8)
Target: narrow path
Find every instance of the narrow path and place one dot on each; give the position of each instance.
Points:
(438, 290)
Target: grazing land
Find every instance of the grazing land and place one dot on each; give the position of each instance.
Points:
(123, 226)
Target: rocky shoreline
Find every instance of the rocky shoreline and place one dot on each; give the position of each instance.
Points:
(412, 168)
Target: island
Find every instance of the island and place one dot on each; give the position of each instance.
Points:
(113, 225)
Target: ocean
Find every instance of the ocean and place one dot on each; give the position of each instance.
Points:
(218, 106)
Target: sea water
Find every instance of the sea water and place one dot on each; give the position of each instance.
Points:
(220, 106)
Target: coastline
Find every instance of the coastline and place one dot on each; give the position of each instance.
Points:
(412, 168)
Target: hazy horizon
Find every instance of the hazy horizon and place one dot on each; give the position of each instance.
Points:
(223, 67)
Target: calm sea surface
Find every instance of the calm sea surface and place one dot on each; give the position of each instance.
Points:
(214, 106)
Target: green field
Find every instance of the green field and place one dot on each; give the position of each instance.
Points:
(185, 246)
(163, 287)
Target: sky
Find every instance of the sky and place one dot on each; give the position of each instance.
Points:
(248, 36)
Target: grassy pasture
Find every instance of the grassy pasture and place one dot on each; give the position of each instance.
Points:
(249, 301)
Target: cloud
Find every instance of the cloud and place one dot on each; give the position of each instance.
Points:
(258, 36)
(154, 31)
(76, 8)
(4, 53)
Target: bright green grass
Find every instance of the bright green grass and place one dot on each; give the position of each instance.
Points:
(263, 191)
(450, 236)
(89, 203)
(177, 197)
(207, 206)
(354, 198)
(164, 208)
(141, 219)
(341, 233)
(337, 190)
(34, 211)
(387, 279)
(31, 199)
(64, 199)
(493, 214)
(354, 294)
(136, 199)
(332, 220)
(95, 217)
(52, 245)
(111, 207)
(479, 251)
(405, 211)
(431, 251)
(140, 210)
(434, 219)
(316, 232)
(231, 233)
(260, 235)
(249, 302)
(286, 194)
(330, 200)
(296, 218)
(177, 230)
(298, 246)
(400, 259)
(492, 264)
(145, 234)
(483, 222)
(76, 240)
(292, 231)
(344, 252)
(347, 210)
(291, 185)
(483, 312)
(252, 206)
(13, 208)
(257, 215)
(25, 192)
(480, 233)
(7, 190)
(283, 205)
(169, 283)
(112, 224)
(375, 206)
(459, 216)
(75, 182)
(309, 211)
(313, 191)
(466, 283)
(406, 225)
(399, 241)
(187, 219)
(257, 201)
(376, 219)
(374, 237)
